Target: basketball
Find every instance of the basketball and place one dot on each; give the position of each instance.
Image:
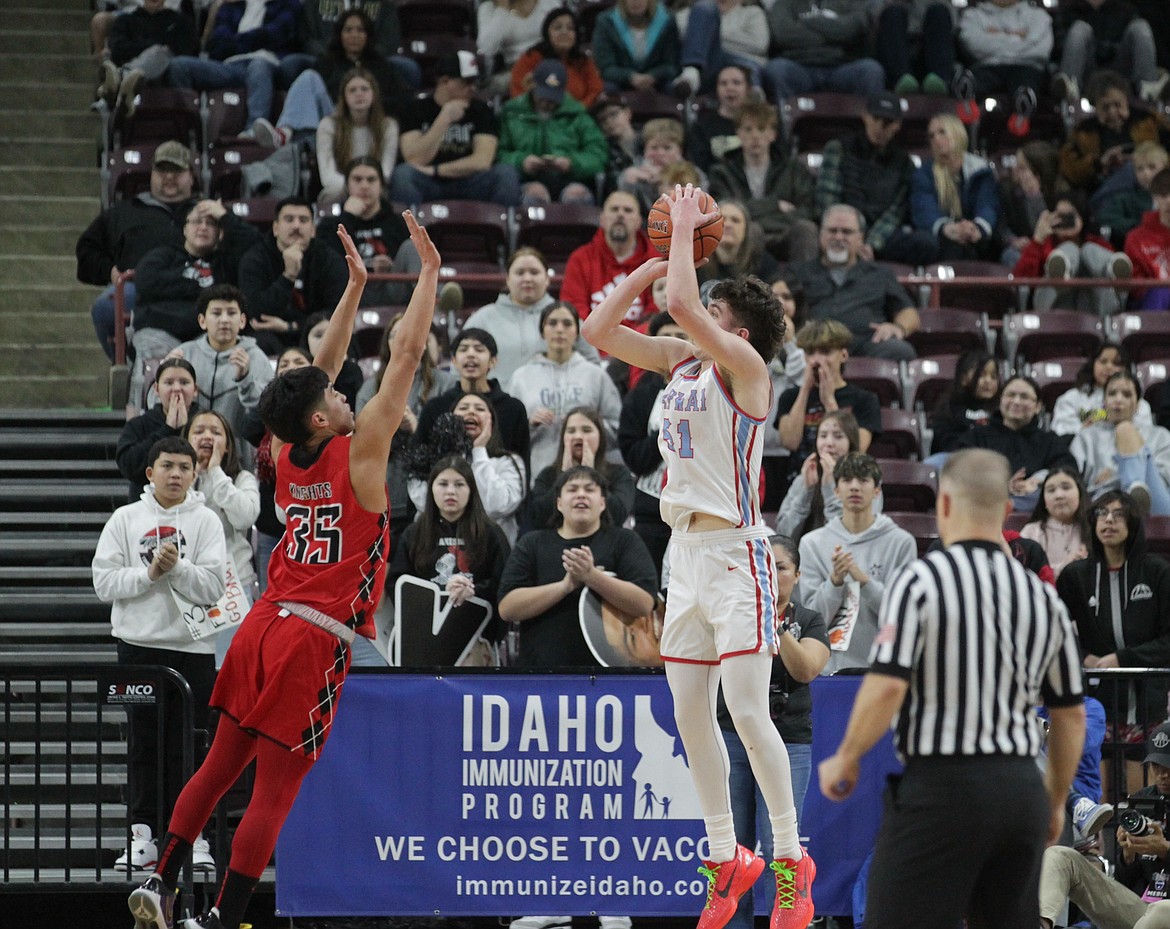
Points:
(658, 226)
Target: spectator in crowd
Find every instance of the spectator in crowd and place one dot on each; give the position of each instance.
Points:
(1015, 431)
(559, 380)
(777, 190)
(377, 230)
(615, 118)
(318, 25)
(915, 46)
(449, 142)
(582, 439)
(718, 34)
(821, 46)
(163, 546)
(507, 29)
(1060, 522)
(1027, 190)
(1084, 403)
(317, 91)
(560, 40)
(865, 297)
(514, 319)
(453, 543)
(870, 172)
(230, 368)
(662, 147)
(102, 21)
(1104, 142)
(1007, 44)
(803, 652)
(1122, 212)
(549, 570)
(786, 371)
(121, 234)
(174, 384)
(170, 279)
(232, 493)
(618, 247)
(1130, 894)
(847, 563)
(971, 400)
(1062, 248)
(636, 46)
(1115, 453)
(474, 355)
(713, 135)
(812, 498)
(638, 431)
(953, 195)
(1110, 34)
(357, 126)
(741, 249)
(143, 42)
(288, 276)
(1116, 597)
(551, 140)
(250, 44)
(1148, 247)
(823, 390)
(349, 378)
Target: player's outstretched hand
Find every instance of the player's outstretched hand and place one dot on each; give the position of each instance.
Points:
(422, 242)
(357, 267)
(685, 206)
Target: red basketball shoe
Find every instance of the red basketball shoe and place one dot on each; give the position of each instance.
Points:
(727, 881)
(794, 904)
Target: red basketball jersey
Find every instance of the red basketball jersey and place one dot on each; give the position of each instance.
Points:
(332, 556)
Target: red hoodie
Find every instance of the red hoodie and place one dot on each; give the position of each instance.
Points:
(593, 272)
(1148, 247)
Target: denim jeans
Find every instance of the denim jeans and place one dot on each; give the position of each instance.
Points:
(786, 78)
(307, 102)
(102, 313)
(498, 184)
(750, 813)
(1141, 467)
(702, 48)
(259, 76)
(1135, 57)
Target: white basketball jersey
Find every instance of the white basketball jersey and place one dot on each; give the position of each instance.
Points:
(712, 450)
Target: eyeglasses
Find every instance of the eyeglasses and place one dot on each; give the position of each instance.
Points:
(1103, 514)
(838, 230)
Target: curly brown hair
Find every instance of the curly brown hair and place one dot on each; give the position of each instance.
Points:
(754, 307)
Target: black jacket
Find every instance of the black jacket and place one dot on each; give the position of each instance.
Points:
(123, 233)
(133, 449)
(134, 32)
(639, 446)
(951, 422)
(511, 416)
(486, 576)
(1030, 448)
(269, 293)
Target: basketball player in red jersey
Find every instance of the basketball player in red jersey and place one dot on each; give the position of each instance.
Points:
(713, 412)
(283, 674)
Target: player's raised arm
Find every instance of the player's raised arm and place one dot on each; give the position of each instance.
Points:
(730, 352)
(603, 328)
(380, 418)
(335, 343)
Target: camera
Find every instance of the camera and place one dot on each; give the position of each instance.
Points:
(1064, 221)
(1141, 813)
(1136, 823)
(777, 700)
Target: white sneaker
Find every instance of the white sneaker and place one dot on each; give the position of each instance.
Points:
(268, 135)
(201, 859)
(1151, 91)
(615, 922)
(541, 922)
(143, 852)
(1120, 266)
(1056, 266)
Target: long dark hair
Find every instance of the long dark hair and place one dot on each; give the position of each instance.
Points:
(473, 528)
(334, 49)
(1085, 383)
(961, 394)
(848, 423)
(1041, 515)
(231, 458)
(544, 46)
(599, 463)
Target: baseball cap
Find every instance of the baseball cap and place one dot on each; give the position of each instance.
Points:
(884, 106)
(174, 154)
(1159, 747)
(460, 64)
(548, 81)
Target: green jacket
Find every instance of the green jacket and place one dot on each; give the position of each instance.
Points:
(569, 131)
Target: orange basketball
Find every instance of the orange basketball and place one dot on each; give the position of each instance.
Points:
(707, 236)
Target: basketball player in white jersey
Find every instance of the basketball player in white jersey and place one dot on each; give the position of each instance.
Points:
(721, 607)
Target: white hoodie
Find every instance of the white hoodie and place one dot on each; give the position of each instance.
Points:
(144, 612)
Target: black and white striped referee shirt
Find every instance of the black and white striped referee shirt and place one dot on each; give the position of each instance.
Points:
(982, 641)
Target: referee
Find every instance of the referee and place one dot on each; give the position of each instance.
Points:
(976, 642)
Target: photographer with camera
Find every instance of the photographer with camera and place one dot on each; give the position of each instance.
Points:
(1061, 248)
(1136, 895)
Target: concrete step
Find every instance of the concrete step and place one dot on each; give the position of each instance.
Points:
(31, 18)
(52, 153)
(51, 68)
(57, 390)
(30, 179)
(52, 42)
(38, 240)
(76, 96)
(51, 124)
(38, 269)
(19, 328)
(64, 357)
(39, 298)
(76, 212)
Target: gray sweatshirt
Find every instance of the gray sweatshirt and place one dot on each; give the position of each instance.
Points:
(215, 377)
(1014, 35)
(1095, 448)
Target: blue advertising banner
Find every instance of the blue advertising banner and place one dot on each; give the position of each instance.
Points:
(501, 794)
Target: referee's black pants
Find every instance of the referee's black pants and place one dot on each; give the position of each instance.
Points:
(960, 837)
